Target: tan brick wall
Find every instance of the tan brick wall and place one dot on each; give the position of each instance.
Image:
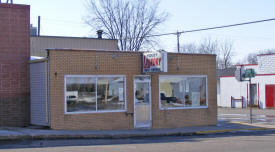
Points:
(66, 62)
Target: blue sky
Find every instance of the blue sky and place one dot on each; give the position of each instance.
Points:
(65, 18)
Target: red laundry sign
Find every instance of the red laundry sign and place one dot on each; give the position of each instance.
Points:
(155, 61)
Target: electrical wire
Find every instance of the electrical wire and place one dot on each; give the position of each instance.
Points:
(181, 32)
(212, 28)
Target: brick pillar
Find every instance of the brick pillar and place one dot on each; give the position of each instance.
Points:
(14, 71)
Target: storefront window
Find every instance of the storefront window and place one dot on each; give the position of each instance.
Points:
(94, 93)
(110, 93)
(80, 94)
(182, 91)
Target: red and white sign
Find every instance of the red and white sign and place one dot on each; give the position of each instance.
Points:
(155, 61)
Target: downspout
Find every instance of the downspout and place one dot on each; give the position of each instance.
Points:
(48, 88)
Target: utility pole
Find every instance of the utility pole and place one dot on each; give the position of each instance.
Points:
(250, 101)
(38, 32)
(178, 41)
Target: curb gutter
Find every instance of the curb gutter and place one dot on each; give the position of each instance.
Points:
(126, 135)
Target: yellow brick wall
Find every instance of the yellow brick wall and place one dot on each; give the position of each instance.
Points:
(83, 62)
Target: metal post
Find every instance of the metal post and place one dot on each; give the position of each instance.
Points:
(38, 32)
(250, 103)
(178, 41)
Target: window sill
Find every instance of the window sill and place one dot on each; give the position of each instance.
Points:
(94, 112)
(177, 108)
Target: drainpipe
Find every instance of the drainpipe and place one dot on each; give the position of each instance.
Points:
(48, 88)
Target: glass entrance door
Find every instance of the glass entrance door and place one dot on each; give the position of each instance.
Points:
(142, 96)
(254, 94)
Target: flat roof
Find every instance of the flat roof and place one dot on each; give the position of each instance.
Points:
(246, 64)
(266, 54)
(120, 51)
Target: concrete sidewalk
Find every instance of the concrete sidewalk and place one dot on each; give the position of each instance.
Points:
(14, 133)
(255, 111)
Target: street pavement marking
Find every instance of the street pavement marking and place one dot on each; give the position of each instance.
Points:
(230, 130)
(255, 124)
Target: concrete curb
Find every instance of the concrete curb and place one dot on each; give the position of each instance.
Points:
(127, 135)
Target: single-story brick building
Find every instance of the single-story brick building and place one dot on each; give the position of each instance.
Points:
(111, 90)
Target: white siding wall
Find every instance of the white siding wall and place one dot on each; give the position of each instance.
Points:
(218, 93)
(231, 87)
(38, 88)
(266, 63)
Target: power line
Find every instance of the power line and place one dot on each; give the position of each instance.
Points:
(209, 28)
(212, 28)
(63, 21)
(180, 32)
(242, 36)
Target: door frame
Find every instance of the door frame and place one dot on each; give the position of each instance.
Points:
(150, 98)
(255, 102)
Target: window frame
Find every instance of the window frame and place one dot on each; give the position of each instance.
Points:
(96, 77)
(184, 76)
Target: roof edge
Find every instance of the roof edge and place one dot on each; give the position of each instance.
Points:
(18, 6)
(246, 64)
(37, 60)
(104, 50)
(71, 37)
(266, 54)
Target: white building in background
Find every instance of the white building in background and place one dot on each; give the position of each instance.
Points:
(232, 93)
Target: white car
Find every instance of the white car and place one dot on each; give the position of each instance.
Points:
(71, 99)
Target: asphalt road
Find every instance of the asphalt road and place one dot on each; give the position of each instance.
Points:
(244, 142)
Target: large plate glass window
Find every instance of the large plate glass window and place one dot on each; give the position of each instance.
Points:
(94, 93)
(80, 94)
(183, 92)
(110, 93)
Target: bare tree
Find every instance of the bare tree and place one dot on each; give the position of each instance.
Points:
(206, 46)
(129, 21)
(209, 46)
(8, 1)
(189, 48)
(223, 50)
(267, 51)
(226, 54)
(252, 57)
